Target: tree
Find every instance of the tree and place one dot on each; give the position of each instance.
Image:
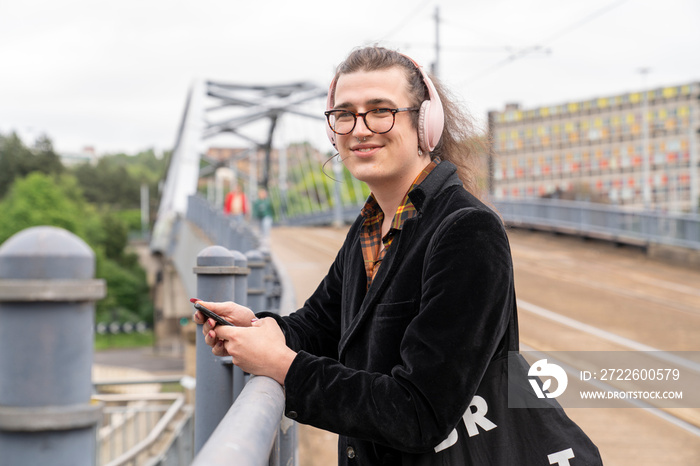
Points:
(40, 199)
(116, 179)
(108, 183)
(17, 160)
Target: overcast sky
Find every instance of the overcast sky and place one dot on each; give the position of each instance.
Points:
(115, 75)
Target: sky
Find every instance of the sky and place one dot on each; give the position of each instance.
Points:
(115, 75)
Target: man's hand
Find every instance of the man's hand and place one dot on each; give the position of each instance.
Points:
(260, 349)
(256, 346)
(238, 315)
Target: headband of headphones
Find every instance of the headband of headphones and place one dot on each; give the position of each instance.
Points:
(431, 118)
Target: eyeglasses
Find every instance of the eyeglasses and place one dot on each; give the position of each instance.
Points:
(379, 120)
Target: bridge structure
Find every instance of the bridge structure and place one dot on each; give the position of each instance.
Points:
(214, 256)
(574, 295)
(312, 189)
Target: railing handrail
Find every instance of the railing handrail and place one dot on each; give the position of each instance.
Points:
(595, 206)
(604, 221)
(246, 435)
(253, 431)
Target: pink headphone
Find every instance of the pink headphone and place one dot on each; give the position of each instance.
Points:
(431, 118)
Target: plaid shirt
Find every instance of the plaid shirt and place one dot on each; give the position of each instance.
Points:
(371, 233)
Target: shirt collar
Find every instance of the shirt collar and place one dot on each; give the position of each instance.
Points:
(406, 209)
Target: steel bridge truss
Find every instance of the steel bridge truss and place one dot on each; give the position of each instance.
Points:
(214, 109)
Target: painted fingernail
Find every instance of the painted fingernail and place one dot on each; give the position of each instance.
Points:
(194, 300)
(254, 319)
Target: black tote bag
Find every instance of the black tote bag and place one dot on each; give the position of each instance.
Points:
(492, 434)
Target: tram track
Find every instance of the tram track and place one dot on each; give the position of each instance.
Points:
(683, 293)
(687, 419)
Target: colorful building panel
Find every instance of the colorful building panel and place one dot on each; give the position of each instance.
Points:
(596, 149)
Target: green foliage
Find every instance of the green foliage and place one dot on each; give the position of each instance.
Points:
(131, 218)
(127, 293)
(115, 238)
(39, 199)
(108, 183)
(17, 160)
(116, 180)
(312, 185)
(123, 340)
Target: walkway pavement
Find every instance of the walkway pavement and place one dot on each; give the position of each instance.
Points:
(143, 359)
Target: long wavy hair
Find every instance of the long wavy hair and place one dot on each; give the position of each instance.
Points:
(458, 143)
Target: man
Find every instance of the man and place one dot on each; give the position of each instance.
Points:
(390, 349)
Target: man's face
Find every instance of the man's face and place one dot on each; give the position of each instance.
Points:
(380, 160)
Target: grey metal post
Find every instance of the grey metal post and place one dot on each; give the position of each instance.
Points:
(268, 279)
(256, 281)
(222, 229)
(240, 296)
(145, 217)
(282, 168)
(287, 439)
(47, 304)
(234, 234)
(216, 279)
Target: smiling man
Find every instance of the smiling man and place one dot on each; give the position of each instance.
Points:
(385, 154)
(419, 304)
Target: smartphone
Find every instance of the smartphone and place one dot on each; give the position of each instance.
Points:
(209, 313)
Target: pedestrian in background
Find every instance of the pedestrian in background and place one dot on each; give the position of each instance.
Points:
(262, 212)
(236, 203)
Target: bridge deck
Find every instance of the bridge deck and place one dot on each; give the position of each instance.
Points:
(617, 290)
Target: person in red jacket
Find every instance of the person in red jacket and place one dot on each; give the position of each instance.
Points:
(236, 203)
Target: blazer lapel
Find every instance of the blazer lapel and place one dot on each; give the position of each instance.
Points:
(392, 260)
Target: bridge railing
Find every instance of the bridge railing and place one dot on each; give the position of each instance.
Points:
(144, 428)
(604, 221)
(238, 418)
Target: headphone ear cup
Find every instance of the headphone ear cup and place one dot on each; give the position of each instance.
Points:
(423, 124)
(433, 123)
(329, 105)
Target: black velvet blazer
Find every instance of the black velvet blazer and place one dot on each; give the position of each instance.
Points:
(392, 369)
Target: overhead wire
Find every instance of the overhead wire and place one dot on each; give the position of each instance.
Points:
(541, 46)
(406, 20)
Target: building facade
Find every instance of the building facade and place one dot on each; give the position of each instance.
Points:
(601, 150)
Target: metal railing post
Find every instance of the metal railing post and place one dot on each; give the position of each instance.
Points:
(47, 315)
(240, 296)
(256, 281)
(269, 280)
(287, 439)
(217, 269)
